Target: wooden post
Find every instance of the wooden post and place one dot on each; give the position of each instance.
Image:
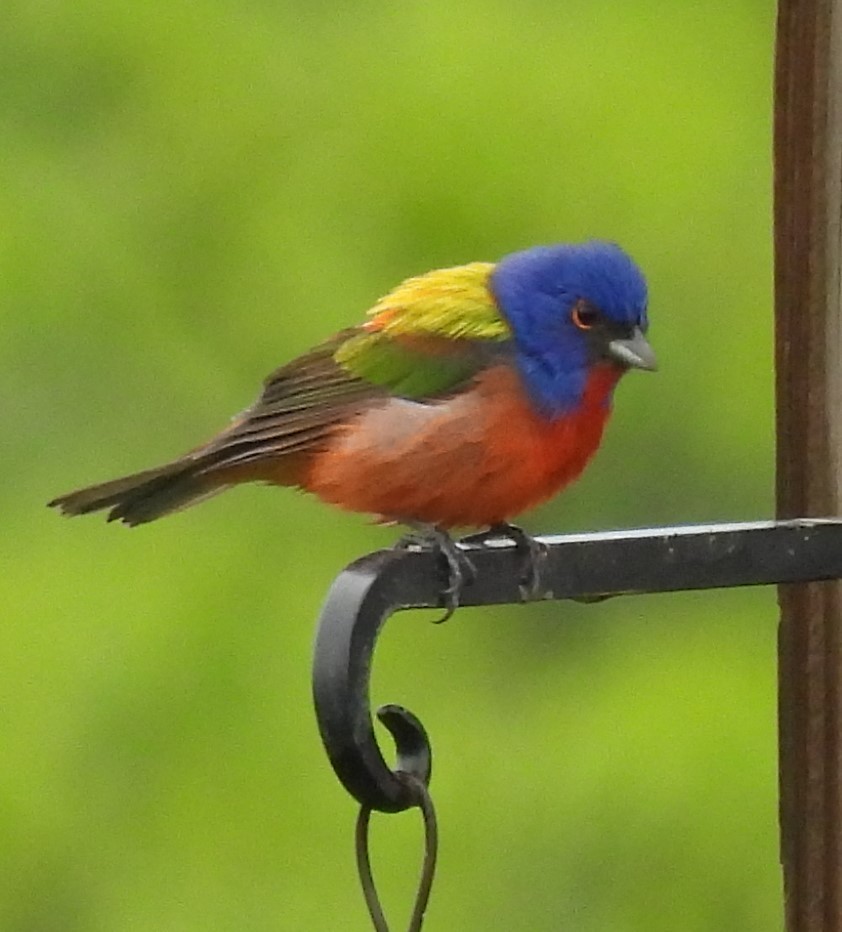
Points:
(808, 331)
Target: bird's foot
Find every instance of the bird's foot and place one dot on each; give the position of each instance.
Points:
(534, 554)
(460, 570)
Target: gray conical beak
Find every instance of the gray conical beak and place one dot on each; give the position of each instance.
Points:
(634, 352)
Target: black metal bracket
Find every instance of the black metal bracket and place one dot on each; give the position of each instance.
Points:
(579, 566)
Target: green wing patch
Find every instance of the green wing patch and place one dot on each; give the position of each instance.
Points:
(429, 334)
(412, 367)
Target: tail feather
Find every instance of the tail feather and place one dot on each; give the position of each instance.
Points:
(141, 497)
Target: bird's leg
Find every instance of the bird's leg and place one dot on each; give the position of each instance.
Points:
(459, 568)
(533, 551)
(534, 557)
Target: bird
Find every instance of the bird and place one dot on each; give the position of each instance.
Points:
(466, 396)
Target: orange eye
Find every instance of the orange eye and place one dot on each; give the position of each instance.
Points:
(584, 316)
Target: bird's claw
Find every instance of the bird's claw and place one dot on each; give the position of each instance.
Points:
(460, 570)
(534, 553)
(458, 567)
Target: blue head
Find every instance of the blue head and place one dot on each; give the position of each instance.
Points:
(569, 308)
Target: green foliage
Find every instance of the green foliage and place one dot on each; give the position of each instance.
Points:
(191, 193)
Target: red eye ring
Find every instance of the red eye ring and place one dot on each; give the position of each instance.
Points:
(584, 315)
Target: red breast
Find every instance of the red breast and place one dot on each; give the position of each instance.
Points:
(477, 459)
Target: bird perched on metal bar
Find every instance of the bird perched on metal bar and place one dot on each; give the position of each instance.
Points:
(467, 396)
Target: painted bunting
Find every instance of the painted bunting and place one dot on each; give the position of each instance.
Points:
(467, 396)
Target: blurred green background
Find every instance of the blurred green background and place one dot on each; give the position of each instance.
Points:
(191, 193)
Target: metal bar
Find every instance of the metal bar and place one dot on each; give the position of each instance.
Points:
(585, 566)
(808, 328)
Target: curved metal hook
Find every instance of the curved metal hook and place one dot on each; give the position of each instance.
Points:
(574, 567)
(358, 605)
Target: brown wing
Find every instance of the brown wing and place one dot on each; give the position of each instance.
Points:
(299, 405)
